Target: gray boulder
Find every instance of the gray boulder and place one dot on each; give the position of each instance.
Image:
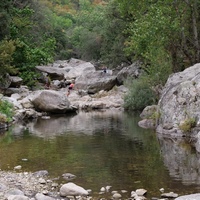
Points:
(50, 101)
(180, 101)
(15, 81)
(94, 82)
(189, 197)
(132, 71)
(71, 189)
(78, 70)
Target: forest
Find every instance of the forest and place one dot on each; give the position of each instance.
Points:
(162, 35)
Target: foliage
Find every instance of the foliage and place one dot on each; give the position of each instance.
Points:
(7, 48)
(188, 124)
(140, 95)
(7, 109)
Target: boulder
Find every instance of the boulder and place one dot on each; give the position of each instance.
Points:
(17, 197)
(50, 101)
(71, 189)
(15, 81)
(93, 82)
(189, 197)
(54, 72)
(40, 196)
(132, 71)
(180, 102)
(81, 69)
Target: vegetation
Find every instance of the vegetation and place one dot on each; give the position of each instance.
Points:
(164, 36)
(6, 111)
(187, 125)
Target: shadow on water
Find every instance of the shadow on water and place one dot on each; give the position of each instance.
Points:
(102, 148)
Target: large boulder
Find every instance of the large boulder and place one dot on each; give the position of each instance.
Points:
(132, 71)
(78, 70)
(180, 102)
(63, 69)
(93, 82)
(50, 101)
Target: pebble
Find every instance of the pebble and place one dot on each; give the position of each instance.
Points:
(18, 167)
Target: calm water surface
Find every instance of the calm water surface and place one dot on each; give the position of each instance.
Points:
(103, 148)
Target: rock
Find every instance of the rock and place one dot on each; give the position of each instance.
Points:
(18, 167)
(68, 176)
(169, 195)
(147, 123)
(71, 189)
(189, 197)
(17, 197)
(41, 173)
(94, 82)
(132, 71)
(50, 101)
(141, 192)
(14, 191)
(15, 81)
(40, 196)
(80, 69)
(149, 112)
(117, 196)
(180, 100)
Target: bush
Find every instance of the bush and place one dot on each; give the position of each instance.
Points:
(7, 111)
(140, 95)
(187, 125)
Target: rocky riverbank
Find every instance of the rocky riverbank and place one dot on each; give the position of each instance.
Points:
(38, 186)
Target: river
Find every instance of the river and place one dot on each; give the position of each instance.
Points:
(101, 149)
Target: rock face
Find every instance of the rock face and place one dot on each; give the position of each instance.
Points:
(93, 82)
(132, 71)
(50, 101)
(180, 101)
(71, 189)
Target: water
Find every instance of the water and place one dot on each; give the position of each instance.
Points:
(103, 148)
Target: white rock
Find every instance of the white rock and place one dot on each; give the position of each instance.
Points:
(117, 196)
(18, 167)
(71, 189)
(141, 192)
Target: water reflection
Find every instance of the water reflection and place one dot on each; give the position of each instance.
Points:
(102, 148)
(181, 159)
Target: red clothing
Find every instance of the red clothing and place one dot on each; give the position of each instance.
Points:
(71, 86)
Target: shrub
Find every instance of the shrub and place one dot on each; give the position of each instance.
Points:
(187, 125)
(140, 95)
(7, 109)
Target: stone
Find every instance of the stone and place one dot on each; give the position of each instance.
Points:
(169, 195)
(18, 167)
(40, 196)
(71, 189)
(50, 101)
(117, 196)
(189, 197)
(141, 192)
(17, 197)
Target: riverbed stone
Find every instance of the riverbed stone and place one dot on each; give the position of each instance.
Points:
(169, 195)
(40, 196)
(189, 197)
(71, 189)
(17, 197)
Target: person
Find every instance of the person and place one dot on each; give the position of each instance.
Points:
(71, 86)
(47, 82)
(105, 70)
